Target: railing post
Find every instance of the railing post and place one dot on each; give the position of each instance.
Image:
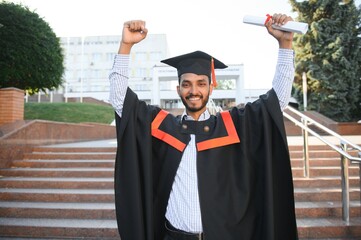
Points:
(345, 185)
(306, 160)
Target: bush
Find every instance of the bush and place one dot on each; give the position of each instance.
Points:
(31, 57)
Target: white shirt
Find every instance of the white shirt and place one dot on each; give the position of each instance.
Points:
(183, 210)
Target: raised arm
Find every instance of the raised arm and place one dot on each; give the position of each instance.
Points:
(284, 75)
(133, 32)
(284, 38)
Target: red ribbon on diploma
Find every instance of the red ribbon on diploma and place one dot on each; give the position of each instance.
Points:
(269, 17)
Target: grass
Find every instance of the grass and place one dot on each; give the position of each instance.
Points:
(69, 112)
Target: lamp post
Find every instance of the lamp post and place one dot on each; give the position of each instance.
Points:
(304, 86)
(82, 69)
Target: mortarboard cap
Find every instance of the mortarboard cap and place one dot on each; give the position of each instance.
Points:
(197, 62)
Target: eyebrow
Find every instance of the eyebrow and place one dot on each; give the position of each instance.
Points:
(198, 80)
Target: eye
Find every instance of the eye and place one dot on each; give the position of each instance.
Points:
(185, 84)
(202, 84)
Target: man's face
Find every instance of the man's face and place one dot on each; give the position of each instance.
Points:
(194, 91)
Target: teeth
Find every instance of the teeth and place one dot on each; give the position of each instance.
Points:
(193, 99)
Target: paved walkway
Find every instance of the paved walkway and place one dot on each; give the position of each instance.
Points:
(90, 144)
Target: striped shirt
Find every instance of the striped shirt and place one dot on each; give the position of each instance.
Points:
(183, 210)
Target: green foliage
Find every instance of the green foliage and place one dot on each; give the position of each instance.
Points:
(31, 57)
(226, 84)
(330, 54)
(69, 112)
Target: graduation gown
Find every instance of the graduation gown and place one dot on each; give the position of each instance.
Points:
(243, 165)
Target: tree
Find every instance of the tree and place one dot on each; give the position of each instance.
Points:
(330, 55)
(31, 57)
(226, 84)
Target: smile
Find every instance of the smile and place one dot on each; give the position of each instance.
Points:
(194, 98)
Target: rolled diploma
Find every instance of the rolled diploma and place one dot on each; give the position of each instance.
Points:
(290, 26)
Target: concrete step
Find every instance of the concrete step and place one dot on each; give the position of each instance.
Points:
(323, 182)
(109, 153)
(108, 183)
(57, 195)
(59, 228)
(325, 209)
(91, 210)
(329, 228)
(68, 228)
(55, 182)
(317, 162)
(324, 171)
(319, 154)
(45, 238)
(55, 163)
(74, 149)
(58, 172)
(69, 155)
(324, 194)
(310, 147)
(73, 210)
(107, 195)
(109, 171)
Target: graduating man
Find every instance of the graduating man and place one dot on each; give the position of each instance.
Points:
(200, 176)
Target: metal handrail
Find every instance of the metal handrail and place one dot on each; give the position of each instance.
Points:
(345, 156)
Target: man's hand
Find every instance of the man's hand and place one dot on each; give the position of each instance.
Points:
(284, 38)
(133, 32)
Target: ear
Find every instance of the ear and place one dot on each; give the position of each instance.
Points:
(178, 90)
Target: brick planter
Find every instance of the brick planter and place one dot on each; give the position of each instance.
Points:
(11, 105)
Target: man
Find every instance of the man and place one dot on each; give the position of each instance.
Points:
(199, 176)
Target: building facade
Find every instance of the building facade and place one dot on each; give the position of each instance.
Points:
(88, 61)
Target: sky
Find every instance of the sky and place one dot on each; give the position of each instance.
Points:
(212, 26)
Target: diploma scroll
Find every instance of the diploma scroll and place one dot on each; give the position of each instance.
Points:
(290, 26)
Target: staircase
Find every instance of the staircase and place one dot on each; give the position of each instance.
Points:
(318, 198)
(67, 193)
(59, 193)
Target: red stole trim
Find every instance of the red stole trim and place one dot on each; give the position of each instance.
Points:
(221, 141)
(231, 138)
(157, 133)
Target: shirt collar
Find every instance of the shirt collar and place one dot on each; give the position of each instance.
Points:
(204, 116)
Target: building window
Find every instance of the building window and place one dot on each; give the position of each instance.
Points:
(96, 57)
(110, 56)
(141, 56)
(155, 56)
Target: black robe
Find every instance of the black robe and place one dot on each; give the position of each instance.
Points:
(243, 165)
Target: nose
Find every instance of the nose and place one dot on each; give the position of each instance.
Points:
(193, 90)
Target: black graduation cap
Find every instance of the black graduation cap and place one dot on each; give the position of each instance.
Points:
(197, 62)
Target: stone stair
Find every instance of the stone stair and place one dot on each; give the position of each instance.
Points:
(59, 193)
(67, 193)
(319, 198)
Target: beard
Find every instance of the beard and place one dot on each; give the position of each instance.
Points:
(190, 108)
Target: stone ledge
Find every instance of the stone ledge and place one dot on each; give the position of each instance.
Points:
(342, 128)
(20, 137)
